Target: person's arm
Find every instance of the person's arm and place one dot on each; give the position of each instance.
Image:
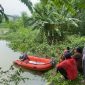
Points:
(62, 64)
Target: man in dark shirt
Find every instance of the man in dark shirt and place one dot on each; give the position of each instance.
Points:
(78, 57)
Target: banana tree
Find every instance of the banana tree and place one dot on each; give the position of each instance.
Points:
(53, 18)
(51, 21)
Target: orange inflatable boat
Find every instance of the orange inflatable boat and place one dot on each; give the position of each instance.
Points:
(35, 63)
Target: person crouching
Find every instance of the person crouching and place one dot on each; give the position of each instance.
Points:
(68, 67)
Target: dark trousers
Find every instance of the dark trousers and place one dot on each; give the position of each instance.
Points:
(63, 72)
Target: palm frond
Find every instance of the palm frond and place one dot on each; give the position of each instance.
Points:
(28, 3)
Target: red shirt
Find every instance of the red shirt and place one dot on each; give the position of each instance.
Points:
(70, 67)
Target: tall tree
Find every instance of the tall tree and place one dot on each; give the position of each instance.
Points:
(54, 17)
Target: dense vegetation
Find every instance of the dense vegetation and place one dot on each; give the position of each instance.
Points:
(13, 76)
(54, 25)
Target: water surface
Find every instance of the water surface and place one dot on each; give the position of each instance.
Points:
(7, 56)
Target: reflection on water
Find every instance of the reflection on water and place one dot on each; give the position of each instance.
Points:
(7, 56)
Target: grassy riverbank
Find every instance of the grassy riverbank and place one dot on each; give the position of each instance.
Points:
(25, 40)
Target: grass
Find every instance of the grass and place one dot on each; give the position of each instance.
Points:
(55, 51)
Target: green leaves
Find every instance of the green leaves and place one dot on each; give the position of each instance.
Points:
(81, 4)
(44, 1)
(12, 76)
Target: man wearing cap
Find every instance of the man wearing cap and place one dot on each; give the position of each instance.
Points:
(78, 58)
(68, 67)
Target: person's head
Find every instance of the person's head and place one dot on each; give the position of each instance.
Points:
(67, 55)
(79, 49)
(68, 48)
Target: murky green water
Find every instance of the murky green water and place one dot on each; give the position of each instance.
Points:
(7, 56)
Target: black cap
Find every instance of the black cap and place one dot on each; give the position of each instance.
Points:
(67, 55)
(79, 49)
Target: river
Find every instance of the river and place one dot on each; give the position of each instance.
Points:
(7, 56)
